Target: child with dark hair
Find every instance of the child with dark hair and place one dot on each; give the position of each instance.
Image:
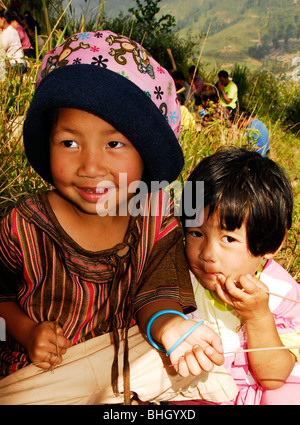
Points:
(246, 296)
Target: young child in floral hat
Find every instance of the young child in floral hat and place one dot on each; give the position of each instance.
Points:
(79, 270)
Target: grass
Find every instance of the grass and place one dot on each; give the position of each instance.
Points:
(17, 178)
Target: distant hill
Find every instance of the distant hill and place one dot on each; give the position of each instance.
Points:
(250, 32)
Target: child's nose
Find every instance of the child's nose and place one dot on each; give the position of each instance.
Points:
(92, 164)
(208, 252)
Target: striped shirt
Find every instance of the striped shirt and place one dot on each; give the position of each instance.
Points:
(88, 293)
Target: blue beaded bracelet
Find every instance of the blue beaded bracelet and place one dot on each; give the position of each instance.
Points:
(184, 336)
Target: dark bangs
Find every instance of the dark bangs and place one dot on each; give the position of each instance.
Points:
(243, 187)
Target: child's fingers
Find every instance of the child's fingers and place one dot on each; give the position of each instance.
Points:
(205, 361)
(244, 286)
(47, 360)
(57, 338)
(237, 287)
(193, 362)
(63, 342)
(55, 345)
(248, 279)
(182, 367)
(224, 296)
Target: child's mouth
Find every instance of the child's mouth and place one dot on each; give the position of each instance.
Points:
(208, 273)
(93, 194)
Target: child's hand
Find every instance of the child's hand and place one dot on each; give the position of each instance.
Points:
(199, 351)
(247, 296)
(220, 87)
(46, 344)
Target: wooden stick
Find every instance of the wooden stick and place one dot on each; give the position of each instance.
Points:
(270, 293)
(248, 350)
(281, 296)
(172, 59)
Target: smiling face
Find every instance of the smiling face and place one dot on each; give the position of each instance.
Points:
(87, 156)
(212, 250)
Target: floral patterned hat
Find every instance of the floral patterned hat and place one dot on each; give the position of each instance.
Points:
(114, 78)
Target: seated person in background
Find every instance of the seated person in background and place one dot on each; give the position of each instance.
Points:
(228, 92)
(182, 86)
(11, 42)
(30, 25)
(212, 106)
(196, 83)
(260, 136)
(26, 45)
(187, 118)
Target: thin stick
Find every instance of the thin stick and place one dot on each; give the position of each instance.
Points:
(248, 350)
(197, 65)
(281, 296)
(277, 295)
(172, 59)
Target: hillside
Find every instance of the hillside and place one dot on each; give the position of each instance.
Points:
(269, 28)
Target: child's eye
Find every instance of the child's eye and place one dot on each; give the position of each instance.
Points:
(114, 144)
(195, 233)
(229, 239)
(70, 144)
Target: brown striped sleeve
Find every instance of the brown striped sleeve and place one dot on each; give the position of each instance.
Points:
(165, 274)
(10, 259)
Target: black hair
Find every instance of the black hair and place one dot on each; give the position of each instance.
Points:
(242, 186)
(7, 15)
(31, 23)
(209, 92)
(223, 73)
(192, 69)
(181, 98)
(245, 113)
(178, 75)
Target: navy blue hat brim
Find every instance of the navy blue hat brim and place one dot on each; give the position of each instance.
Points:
(113, 98)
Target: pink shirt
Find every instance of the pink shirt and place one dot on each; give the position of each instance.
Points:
(23, 37)
(234, 337)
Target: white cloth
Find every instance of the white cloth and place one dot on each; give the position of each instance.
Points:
(85, 374)
(12, 45)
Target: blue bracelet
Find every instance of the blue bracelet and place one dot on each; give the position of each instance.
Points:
(161, 313)
(184, 336)
(155, 316)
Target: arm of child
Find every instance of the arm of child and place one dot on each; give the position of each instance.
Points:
(199, 351)
(249, 298)
(44, 342)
